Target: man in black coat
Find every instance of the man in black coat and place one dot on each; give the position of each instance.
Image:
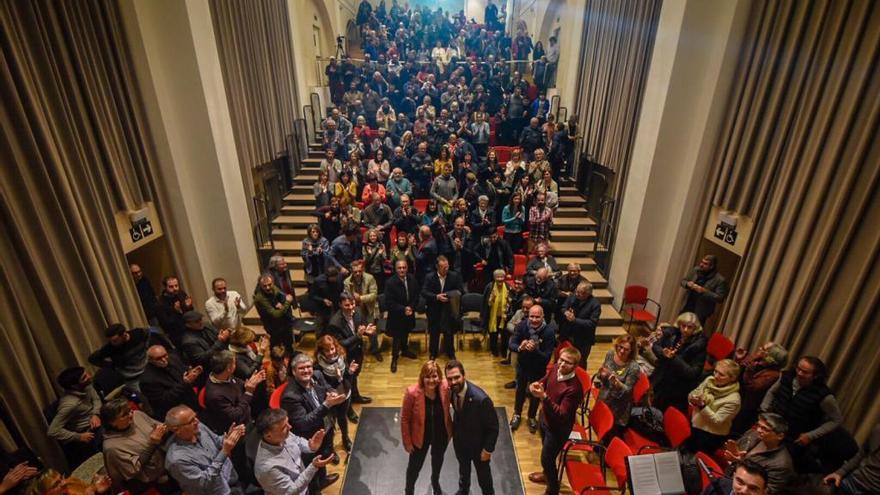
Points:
(543, 290)
(580, 317)
(308, 401)
(167, 382)
(349, 327)
(494, 252)
(201, 341)
(534, 339)
(401, 299)
(145, 293)
(442, 292)
(426, 254)
(474, 429)
(324, 295)
(705, 287)
(173, 303)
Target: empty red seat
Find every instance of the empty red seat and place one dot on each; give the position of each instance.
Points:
(275, 398)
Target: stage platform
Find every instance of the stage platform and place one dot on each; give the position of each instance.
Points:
(377, 464)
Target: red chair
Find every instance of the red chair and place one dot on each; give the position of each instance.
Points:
(587, 478)
(532, 92)
(634, 306)
(421, 204)
(711, 465)
(677, 426)
(500, 231)
(392, 235)
(643, 384)
(601, 421)
(202, 398)
(519, 265)
(275, 398)
(503, 153)
(719, 347)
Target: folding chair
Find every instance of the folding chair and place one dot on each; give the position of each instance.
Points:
(588, 478)
(634, 306)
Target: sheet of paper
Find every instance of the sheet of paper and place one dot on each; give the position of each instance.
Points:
(643, 475)
(575, 436)
(669, 473)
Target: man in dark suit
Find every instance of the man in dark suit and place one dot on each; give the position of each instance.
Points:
(705, 289)
(494, 252)
(426, 253)
(324, 294)
(474, 429)
(308, 401)
(442, 292)
(349, 327)
(580, 317)
(167, 382)
(534, 339)
(401, 299)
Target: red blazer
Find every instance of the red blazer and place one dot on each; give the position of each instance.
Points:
(412, 415)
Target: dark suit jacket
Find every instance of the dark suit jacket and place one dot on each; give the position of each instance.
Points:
(396, 300)
(305, 416)
(199, 345)
(164, 388)
(475, 427)
(496, 256)
(582, 330)
(535, 361)
(438, 313)
(351, 341)
(703, 305)
(426, 259)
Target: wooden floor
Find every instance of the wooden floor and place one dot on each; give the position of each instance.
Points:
(386, 389)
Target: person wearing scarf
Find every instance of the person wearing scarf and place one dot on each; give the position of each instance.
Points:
(330, 362)
(680, 350)
(493, 315)
(714, 405)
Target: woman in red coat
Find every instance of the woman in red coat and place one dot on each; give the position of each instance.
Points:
(425, 422)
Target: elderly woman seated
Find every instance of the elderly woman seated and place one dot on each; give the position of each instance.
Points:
(714, 404)
(760, 370)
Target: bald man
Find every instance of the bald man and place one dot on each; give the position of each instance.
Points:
(167, 382)
(534, 339)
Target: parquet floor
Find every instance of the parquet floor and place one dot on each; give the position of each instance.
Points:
(386, 389)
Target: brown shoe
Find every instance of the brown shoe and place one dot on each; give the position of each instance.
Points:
(537, 477)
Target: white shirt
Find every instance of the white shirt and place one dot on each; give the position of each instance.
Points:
(225, 314)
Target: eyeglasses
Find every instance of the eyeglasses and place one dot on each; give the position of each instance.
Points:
(622, 348)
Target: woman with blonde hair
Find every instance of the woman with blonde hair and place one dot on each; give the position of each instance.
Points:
(425, 422)
(617, 376)
(330, 362)
(715, 403)
(51, 482)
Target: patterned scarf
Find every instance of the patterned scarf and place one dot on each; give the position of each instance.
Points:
(497, 307)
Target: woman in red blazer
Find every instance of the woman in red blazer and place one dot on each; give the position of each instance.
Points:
(425, 422)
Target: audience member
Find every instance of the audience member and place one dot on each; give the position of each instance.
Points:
(226, 307)
(580, 318)
(349, 326)
(860, 474)
(250, 353)
(167, 382)
(125, 352)
(542, 288)
(173, 303)
(364, 289)
(760, 370)
(494, 313)
(227, 398)
(276, 315)
(146, 294)
(534, 340)
(616, 378)
(330, 358)
(132, 455)
(748, 479)
(279, 467)
(199, 459)
(77, 421)
(401, 299)
(540, 221)
(705, 289)
(764, 446)
(715, 402)
(200, 342)
(560, 393)
(442, 292)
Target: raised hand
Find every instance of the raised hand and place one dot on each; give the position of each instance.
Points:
(317, 439)
(257, 378)
(192, 374)
(158, 433)
(231, 438)
(320, 462)
(333, 399)
(16, 475)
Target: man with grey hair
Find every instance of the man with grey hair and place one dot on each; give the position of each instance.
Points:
(279, 467)
(228, 399)
(482, 218)
(308, 400)
(281, 276)
(543, 290)
(764, 446)
(580, 317)
(398, 185)
(199, 459)
(275, 310)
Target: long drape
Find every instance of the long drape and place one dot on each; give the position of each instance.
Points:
(74, 151)
(253, 40)
(616, 49)
(800, 154)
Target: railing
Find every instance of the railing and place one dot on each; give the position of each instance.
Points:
(554, 106)
(262, 225)
(605, 236)
(317, 115)
(309, 117)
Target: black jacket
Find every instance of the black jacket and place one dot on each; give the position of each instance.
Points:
(199, 345)
(475, 427)
(164, 388)
(351, 341)
(396, 300)
(673, 379)
(582, 330)
(170, 319)
(306, 417)
(440, 314)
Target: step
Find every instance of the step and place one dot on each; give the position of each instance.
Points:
(293, 221)
(288, 235)
(304, 189)
(573, 223)
(572, 201)
(568, 190)
(311, 163)
(609, 333)
(298, 209)
(603, 295)
(299, 199)
(585, 262)
(570, 211)
(572, 235)
(562, 248)
(610, 316)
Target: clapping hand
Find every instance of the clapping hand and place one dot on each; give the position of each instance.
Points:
(537, 390)
(371, 329)
(95, 422)
(16, 475)
(317, 439)
(224, 335)
(158, 433)
(333, 399)
(320, 462)
(231, 438)
(353, 367)
(257, 378)
(192, 374)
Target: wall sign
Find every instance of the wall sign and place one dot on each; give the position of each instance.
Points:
(135, 232)
(728, 229)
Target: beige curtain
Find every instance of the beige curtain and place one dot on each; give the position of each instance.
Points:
(617, 44)
(800, 154)
(74, 152)
(253, 39)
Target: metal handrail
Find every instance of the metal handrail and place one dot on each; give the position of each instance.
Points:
(262, 226)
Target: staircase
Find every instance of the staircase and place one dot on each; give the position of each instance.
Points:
(573, 235)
